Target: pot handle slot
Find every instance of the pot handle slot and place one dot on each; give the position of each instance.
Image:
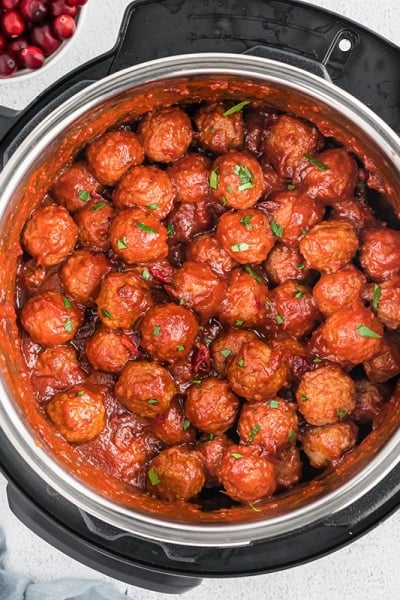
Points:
(290, 58)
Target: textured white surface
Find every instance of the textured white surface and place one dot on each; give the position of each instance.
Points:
(367, 569)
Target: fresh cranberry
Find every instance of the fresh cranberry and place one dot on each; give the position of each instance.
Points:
(31, 57)
(77, 3)
(17, 44)
(3, 42)
(12, 24)
(8, 63)
(60, 7)
(8, 4)
(33, 10)
(42, 36)
(64, 26)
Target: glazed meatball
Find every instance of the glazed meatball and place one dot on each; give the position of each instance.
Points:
(218, 130)
(329, 246)
(246, 474)
(172, 427)
(385, 298)
(123, 298)
(237, 180)
(166, 134)
(331, 175)
(245, 235)
(108, 350)
(137, 236)
(94, 222)
(145, 388)
(146, 187)
(50, 318)
(244, 304)
(198, 287)
(357, 212)
(56, 369)
(168, 332)
(176, 474)
(226, 347)
(335, 290)
(326, 395)
(271, 424)
(32, 275)
(211, 406)
(291, 308)
(190, 176)
(74, 186)
(82, 273)
(206, 249)
(351, 335)
(187, 220)
(297, 356)
(258, 372)
(79, 413)
(211, 450)
(287, 142)
(380, 253)
(112, 154)
(326, 445)
(292, 213)
(285, 263)
(369, 401)
(385, 364)
(288, 466)
(50, 235)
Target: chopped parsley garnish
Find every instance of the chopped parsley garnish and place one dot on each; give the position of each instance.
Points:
(146, 274)
(84, 195)
(274, 403)
(292, 437)
(246, 177)
(170, 229)
(153, 206)
(196, 381)
(276, 229)
(253, 507)
(279, 319)
(299, 294)
(156, 330)
(186, 424)
(181, 302)
(106, 313)
(240, 247)
(229, 188)
(366, 332)
(376, 297)
(304, 232)
(317, 359)
(236, 455)
(291, 187)
(153, 476)
(145, 228)
(341, 413)
(214, 179)
(240, 362)
(254, 275)
(224, 201)
(246, 222)
(236, 108)
(253, 434)
(122, 243)
(152, 402)
(316, 162)
(97, 206)
(239, 322)
(361, 185)
(180, 348)
(68, 325)
(80, 393)
(303, 397)
(301, 266)
(226, 352)
(67, 302)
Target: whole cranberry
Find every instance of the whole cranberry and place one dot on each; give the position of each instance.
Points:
(31, 57)
(8, 63)
(64, 26)
(60, 7)
(42, 36)
(3, 42)
(12, 24)
(77, 3)
(33, 10)
(17, 44)
(8, 4)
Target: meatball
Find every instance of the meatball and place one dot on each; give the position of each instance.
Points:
(288, 466)
(211, 406)
(334, 290)
(211, 450)
(258, 372)
(291, 308)
(351, 335)
(56, 369)
(226, 347)
(190, 176)
(108, 350)
(112, 154)
(326, 445)
(285, 263)
(32, 275)
(288, 140)
(206, 249)
(50, 318)
(50, 235)
(196, 285)
(385, 299)
(380, 253)
(82, 273)
(385, 364)
(245, 300)
(166, 134)
(168, 332)
(245, 235)
(187, 220)
(145, 388)
(219, 130)
(74, 186)
(137, 236)
(331, 175)
(292, 213)
(326, 395)
(176, 474)
(369, 401)
(297, 356)
(171, 426)
(357, 212)
(79, 413)
(329, 245)
(237, 180)
(94, 222)
(123, 298)
(246, 474)
(271, 424)
(146, 187)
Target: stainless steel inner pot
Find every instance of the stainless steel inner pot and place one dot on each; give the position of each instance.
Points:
(121, 97)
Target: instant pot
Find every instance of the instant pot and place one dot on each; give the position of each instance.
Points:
(281, 43)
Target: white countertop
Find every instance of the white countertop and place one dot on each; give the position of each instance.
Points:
(368, 569)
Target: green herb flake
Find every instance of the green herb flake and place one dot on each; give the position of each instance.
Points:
(106, 313)
(153, 206)
(316, 162)
(229, 188)
(84, 195)
(276, 229)
(181, 302)
(156, 330)
(153, 476)
(240, 247)
(301, 267)
(292, 437)
(239, 322)
(236, 108)
(254, 275)
(236, 455)
(97, 206)
(196, 381)
(304, 232)
(246, 222)
(240, 362)
(68, 325)
(279, 319)
(376, 297)
(186, 424)
(361, 185)
(226, 352)
(366, 332)
(246, 177)
(317, 359)
(303, 397)
(170, 229)
(146, 228)
(146, 274)
(274, 403)
(67, 302)
(207, 341)
(214, 179)
(80, 393)
(122, 243)
(253, 434)
(253, 507)
(298, 294)
(291, 187)
(180, 348)
(341, 413)
(152, 402)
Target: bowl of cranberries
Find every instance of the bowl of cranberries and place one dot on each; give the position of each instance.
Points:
(33, 32)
